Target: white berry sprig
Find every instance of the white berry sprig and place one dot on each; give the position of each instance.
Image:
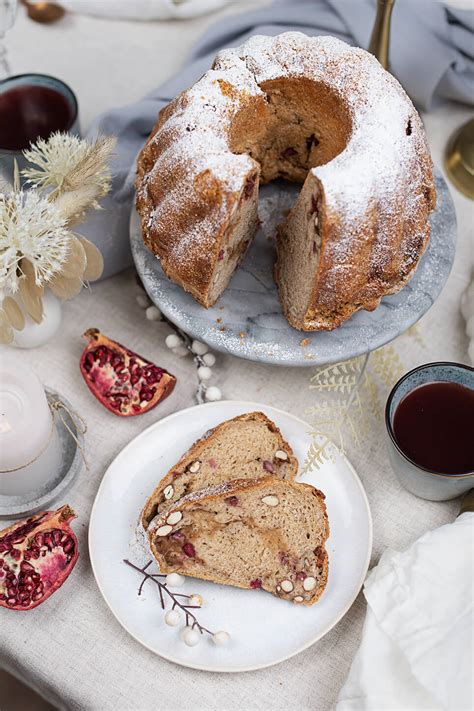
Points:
(192, 631)
(181, 345)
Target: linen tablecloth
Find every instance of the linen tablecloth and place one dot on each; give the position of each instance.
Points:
(72, 650)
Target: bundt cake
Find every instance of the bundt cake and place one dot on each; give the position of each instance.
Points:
(307, 109)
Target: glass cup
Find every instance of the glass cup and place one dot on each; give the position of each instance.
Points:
(425, 483)
(34, 106)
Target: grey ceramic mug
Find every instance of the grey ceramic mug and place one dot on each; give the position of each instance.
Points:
(422, 482)
(7, 157)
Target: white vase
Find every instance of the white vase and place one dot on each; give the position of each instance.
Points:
(36, 334)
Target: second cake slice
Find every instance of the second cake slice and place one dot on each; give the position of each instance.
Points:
(263, 533)
(246, 447)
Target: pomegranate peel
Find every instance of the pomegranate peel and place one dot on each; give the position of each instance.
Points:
(124, 382)
(37, 555)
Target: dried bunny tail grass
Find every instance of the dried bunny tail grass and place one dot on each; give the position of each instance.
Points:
(66, 163)
(92, 167)
(73, 204)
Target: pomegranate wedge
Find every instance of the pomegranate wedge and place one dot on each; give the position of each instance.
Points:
(124, 382)
(36, 557)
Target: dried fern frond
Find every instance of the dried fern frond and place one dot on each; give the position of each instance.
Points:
(414, 332)
(320, 451)
(341, 377)
(387, 365)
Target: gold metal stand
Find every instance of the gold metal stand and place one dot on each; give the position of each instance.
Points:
(380, 40)
(459, 159)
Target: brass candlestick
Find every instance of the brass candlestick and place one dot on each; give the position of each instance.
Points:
(379, 44)
(459, 159)
(44, 12)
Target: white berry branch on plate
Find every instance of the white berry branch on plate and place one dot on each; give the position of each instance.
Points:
(181, 345)
(190, 634)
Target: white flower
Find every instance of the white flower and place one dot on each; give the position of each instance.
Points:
(66, 163)
(31, 227)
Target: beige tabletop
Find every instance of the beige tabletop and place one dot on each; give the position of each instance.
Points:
(72, 650)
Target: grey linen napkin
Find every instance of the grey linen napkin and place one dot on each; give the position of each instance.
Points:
(432, 55)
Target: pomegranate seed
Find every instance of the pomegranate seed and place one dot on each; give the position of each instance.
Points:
(255, 584)
(301, 575)
(15, 554)
(69, 547)
(189, 550)
(268, 466)
(177, 536)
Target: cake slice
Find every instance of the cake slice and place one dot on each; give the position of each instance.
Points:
(264, 533)
(245, 447)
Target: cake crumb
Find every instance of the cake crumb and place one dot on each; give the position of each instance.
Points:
(242, 334)
(218, 320)
(222, 328)
(305, 342)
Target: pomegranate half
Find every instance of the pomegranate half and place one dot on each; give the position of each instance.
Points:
(36, 556)
(124, 382)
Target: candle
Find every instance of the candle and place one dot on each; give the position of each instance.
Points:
(30, 452)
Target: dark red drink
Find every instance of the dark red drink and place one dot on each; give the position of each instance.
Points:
(30, 111)
(434, 427)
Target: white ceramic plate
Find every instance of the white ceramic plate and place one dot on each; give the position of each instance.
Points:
(263, 629)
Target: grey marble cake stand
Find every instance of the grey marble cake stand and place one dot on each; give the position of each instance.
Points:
(247, 321)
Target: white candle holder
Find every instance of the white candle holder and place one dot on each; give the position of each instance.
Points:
(69, 433)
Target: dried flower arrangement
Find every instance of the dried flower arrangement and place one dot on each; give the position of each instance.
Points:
(190, 633)
(348, 401)
(39, 248)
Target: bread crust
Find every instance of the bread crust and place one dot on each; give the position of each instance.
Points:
(195, 450)
(233, 488)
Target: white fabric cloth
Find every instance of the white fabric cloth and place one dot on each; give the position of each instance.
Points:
(144, 9)
(417, 642)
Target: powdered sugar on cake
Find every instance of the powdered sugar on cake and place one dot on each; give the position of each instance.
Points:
(385, 155)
